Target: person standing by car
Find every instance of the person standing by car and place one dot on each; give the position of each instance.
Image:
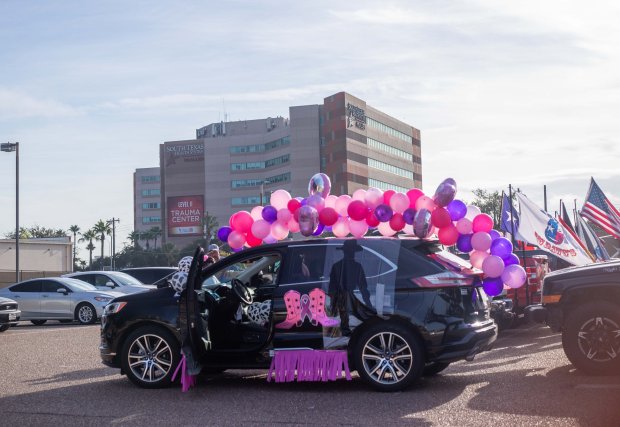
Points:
(213, 254)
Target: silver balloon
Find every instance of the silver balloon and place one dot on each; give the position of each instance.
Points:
(422, 223)
(319, 184)
(308, 220)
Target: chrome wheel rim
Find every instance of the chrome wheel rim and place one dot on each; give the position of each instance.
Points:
(599, 339)
(150, 358)
(387, 358)
(85, 314)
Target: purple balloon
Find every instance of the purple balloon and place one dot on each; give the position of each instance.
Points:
(463, 243)
(316, 201)
(422, 223)
(269, 239)
(457, 209)
(308, 220)
(493, 286)
(327, 228)
(223, 233)
(319, 230)
(511, 260)
(303, 202)
(409, 215)
(383, 213)
(494, 235)
(501, 247)
(270, 214)
(445, 193)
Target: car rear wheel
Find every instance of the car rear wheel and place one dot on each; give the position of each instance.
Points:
(389, 357)
(4, 328)
(149, 357)
(591, 338)
(85, 314)
(38, 322)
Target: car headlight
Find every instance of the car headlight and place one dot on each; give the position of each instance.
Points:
(103, 299)
(113, 308)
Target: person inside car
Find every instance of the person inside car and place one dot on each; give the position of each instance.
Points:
(213, 254)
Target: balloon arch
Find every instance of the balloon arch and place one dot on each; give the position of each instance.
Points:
(390, 212)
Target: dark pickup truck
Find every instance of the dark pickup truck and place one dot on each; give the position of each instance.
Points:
(584, 304)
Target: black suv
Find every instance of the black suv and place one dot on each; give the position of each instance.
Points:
(584, 304)
(401, 308)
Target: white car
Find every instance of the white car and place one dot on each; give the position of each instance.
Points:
(58, 298)
(111, 281)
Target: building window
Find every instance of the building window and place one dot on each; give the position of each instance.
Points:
(390, 168)
(152, 192)
(154, 205)
(377, 145)
(244, 183)
(260, 148)
(150, 179)
(389, 130)
(241, 201)
(151, 219)
(260, 165)
(386, 186)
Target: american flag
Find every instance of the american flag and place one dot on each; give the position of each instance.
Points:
(600, 211)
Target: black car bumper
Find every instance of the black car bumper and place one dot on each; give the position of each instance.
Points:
(10, 317)
(474, 339)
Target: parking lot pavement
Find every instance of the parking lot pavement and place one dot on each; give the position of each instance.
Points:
(52, 375)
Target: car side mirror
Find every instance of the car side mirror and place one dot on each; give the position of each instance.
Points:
(110, 284)
(62, 291)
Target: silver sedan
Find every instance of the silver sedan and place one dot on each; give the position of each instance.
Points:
(58, 298)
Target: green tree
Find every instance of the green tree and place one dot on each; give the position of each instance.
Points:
(101, 228)
(155, 232)
(134, 238)
(37, 232)
(75, 229)
(490, 203)
(89, 236)
(83, 264)
(209, 227)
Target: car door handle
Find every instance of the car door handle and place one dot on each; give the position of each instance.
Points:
(45, 296)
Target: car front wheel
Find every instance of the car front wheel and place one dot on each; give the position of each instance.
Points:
(389, 357)
(150, 355)
(86, 314)
(4, 328)
(591, 338)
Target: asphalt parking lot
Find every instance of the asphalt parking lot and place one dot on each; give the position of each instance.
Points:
(51, 375)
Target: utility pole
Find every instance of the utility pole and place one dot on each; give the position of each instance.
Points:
(7, 148)
(113, 221)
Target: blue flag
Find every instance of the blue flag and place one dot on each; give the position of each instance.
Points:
(510, 217)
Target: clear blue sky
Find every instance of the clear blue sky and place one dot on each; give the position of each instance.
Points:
(524, 92)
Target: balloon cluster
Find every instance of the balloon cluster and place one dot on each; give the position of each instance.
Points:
(390, 212)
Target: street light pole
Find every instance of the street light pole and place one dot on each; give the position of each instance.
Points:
(8, 147)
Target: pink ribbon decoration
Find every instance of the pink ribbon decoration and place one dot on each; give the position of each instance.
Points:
(305, 310)
(309, 365)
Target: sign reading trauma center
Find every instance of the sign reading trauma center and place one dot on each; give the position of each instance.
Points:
(185, 215)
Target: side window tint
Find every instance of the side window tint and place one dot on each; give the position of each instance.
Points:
(88, 278)
(51, 286)
(306, 264)
(32, 286)
(101, 280)
(412, 264)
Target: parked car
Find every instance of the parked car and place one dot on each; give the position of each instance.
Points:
(154, 276)
(401, 308)
(58, 298)
(9, 313)
(584, 304)
(111, 280)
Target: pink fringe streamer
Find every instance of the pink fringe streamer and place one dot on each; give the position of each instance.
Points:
(309, 365)
(187, 381)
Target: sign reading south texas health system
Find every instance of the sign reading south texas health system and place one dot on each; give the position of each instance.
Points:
(185, 215)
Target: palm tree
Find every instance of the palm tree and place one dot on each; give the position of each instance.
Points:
(209, 226)
(155, 233)
(75, 229)
(134, 238)
(147, 236)
(101, 228)
(88, 236)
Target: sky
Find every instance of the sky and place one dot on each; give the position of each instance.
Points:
(524, 93)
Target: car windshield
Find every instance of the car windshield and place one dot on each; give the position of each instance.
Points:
(126, 279)
(77, 285)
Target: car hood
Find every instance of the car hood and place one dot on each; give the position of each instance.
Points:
(7, 301)
(589, 270)
(154, 294)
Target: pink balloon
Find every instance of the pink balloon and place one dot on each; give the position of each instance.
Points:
(330, 201)
(293, 226)
(448, 235)
(256, 212)
(440, 218)
(358, 228)
(477, 258)
(408, 229)
(464, 226)
(261, 228)
(236, 240)
(359, 194)
(279, 230)
(413, 195)
(357, 210)
(514, 276)
(481, 241)
(493, 266)
(385, 229)
(342, 204)
(279, 199)
(399, 202)
(482, 222)
(425, 202)
(316, 201)
(341, 227)
(242, 222)
(374, 197)
(284, 215)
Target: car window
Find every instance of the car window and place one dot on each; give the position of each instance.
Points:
(31, 286)
(88, 278)
(125, 279)
(78, 285)
(52, 286)
(101, 280)
(256, 272)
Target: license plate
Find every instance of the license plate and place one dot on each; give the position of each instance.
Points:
(12, 316)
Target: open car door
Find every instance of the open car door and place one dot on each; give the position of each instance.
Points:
(193, 323)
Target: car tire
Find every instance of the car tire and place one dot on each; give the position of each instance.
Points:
(433, 368)
(86, 314)
(4, 328)
(388, 356)
(149, 356)
(590, 338)
(38, 322)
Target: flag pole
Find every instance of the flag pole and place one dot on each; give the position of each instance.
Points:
(512, 233)
(545, 195)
